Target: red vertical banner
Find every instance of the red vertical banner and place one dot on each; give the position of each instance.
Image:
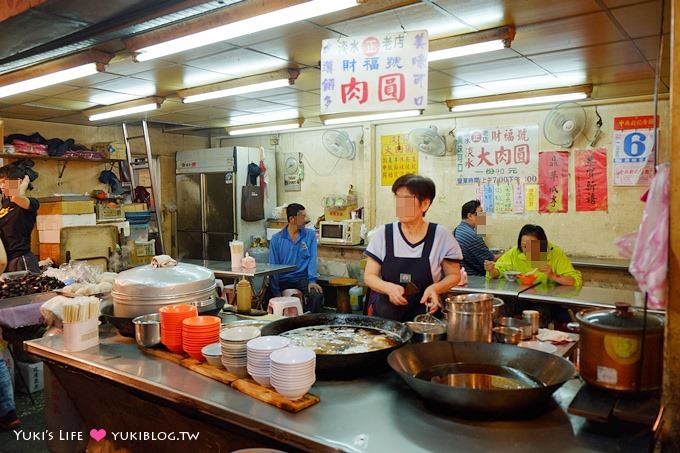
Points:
(591, 179)
(553, 181)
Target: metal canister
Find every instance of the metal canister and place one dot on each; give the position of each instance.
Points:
(533, 317)
(470, 317)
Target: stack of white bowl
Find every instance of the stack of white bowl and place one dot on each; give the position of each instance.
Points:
(292, 371)
(259, 350)
(233, 342)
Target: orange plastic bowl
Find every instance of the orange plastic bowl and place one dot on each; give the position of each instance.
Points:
(527, 279)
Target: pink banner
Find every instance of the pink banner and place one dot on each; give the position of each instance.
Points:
(553, 181)
(591, 179)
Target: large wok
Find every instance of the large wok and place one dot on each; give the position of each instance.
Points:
(550, 370)
(344, 366)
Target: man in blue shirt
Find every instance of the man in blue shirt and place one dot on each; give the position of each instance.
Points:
(295, 244)
(475, 251)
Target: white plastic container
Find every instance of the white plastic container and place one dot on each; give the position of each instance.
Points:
(81, 335)
(59, 221)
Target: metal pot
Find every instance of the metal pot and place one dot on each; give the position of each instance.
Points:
(148, 330)
(509, 335)
(611, 350)
(470, 317)
(523, 326)
(425, 332)
(344, 366)
(145, 289)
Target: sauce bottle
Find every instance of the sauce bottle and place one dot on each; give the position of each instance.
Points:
(244, 295)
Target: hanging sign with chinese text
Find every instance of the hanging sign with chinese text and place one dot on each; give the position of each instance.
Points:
(397, 157)
(591, 179)
(497, 155)
(633, 157)
(380, 72)
(553, 181)
(531, 197)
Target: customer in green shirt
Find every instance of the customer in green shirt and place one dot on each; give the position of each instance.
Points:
(534, 251)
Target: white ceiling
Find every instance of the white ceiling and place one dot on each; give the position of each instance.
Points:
(612, 44)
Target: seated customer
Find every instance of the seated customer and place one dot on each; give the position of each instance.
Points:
(475, 251)
(295, 244)
(533, 251)
(8, 412)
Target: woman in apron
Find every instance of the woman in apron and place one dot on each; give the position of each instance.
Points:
(412, 261)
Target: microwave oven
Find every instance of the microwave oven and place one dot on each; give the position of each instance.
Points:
(344, 232)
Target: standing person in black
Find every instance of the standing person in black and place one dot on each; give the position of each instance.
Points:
(17, 217)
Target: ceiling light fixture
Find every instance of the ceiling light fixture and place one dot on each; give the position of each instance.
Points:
(257, 129)
(265, 21)
(54, 72)
(471, 43)
(125, 108)
(329, 120)
(520, 99)
(243, 85)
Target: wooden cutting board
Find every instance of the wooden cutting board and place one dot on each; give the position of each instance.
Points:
(92, 241)
(247, 386)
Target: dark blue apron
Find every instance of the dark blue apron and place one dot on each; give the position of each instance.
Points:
(401, 271)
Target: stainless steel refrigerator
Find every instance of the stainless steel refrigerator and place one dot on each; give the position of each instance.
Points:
(209, 185)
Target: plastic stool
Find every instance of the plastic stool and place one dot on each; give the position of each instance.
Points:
(285, 306)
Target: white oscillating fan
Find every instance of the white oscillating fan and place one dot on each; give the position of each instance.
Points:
(339, 144)
(427, 140)
(564, 123)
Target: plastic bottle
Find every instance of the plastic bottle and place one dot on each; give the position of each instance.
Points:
(356, 295)
(244, 296)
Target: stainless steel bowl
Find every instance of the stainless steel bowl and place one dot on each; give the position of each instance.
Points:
(426, 332)
(148, 330)
(524, 326)
(508, 335)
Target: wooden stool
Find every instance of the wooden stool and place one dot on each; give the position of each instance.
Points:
(342, 286)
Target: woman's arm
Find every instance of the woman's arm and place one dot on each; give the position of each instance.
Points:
(376, 283)
(451, 270)
(3, 258)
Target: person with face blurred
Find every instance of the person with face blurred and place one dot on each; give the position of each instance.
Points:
(412, 261)
(17, 219)
(534, 251)
(475, 251)
(295, 244)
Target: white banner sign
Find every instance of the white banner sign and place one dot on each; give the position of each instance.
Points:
(381, 72)
(633, 157)
(498, 155)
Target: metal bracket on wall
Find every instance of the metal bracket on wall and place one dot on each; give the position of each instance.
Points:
(60, 171)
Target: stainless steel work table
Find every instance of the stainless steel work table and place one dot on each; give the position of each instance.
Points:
(495, 286)
(585, 296)
(223, 269)
(375, 414)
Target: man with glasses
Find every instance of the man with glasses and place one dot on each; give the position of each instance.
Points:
(475, 251)
(295, 244)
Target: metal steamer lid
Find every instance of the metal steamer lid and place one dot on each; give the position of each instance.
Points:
(147, 282)
(623, 317)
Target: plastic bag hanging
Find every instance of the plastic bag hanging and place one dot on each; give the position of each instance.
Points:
(649, 262)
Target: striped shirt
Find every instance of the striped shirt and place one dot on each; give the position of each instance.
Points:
(474, 249)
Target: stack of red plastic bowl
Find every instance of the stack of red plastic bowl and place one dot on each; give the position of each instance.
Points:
(200, 331)
(171, 324)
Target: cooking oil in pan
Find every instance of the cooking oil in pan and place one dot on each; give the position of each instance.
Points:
(479, 377)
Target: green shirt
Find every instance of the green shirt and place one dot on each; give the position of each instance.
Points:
(515, 260)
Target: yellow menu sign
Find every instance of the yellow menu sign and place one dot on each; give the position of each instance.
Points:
(397, 158)
(531, 197)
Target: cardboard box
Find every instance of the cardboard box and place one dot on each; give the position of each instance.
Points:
(145, 248)
(106, 213)
(50, 251)
(33, 376)
(111, 150)
(66, 207)
(336, 214)
(135, 207)
(59, 221)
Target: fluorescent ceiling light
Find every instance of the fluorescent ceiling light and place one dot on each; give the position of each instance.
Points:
(331, 120)
(262, 82)
(520, 99)
(268, 128)
(125, 108)
(236, 91)
(244, 27)
(50, 79)
(533, 83)
(255, 118)
(471, 43)
(470, 49)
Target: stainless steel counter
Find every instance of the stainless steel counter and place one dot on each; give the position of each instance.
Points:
(496, 286)
(223, 269)
(374, 414)
(586, 296)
